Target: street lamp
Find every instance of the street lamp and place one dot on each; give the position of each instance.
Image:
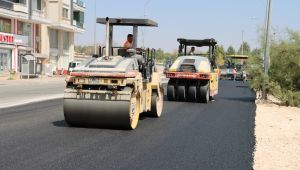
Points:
(243, 33)
(145, 7)
(267, 47)
(95, 28)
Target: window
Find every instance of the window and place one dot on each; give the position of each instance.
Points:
(65, 13)
(37, 4)
(5, 60)
(5, 25)
(20, 28)
(66, 41)
(24, 28)
(37, 38)
(19, 1)
(79, 17)
(53, 36)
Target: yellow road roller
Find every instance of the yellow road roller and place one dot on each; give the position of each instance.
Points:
(193, 77)
(112, 89)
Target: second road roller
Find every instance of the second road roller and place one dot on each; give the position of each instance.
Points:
(193, 77)
(112, 89)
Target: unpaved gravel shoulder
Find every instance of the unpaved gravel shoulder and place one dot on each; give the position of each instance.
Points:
(277, 131)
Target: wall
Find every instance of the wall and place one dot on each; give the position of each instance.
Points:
(53, 11)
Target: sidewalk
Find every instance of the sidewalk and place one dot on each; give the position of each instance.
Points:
(24, 91)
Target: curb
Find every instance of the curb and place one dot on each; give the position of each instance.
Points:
(30, 101)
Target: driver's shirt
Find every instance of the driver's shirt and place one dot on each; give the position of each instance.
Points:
(127, 45)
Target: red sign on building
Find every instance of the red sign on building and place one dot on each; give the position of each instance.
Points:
(7, 38)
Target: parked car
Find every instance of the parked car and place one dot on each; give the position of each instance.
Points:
(72, 65)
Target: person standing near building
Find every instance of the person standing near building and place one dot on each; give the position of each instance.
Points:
(244, 74)
(234, 74)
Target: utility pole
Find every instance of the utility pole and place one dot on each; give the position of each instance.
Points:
(143, 31)
(267, 47)
(95, 27)
(242, 42)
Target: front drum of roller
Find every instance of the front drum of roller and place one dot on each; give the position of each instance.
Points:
(102, 113)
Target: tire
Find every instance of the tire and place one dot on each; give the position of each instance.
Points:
(192, 93)
(156, 105)
(181, 93)
(204, 93)
(171, 93)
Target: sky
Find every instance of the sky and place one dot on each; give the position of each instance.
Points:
(224, 20)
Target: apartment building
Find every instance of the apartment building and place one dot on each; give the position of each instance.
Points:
(44, 28)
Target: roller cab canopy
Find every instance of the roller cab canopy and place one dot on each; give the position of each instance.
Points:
(184, 43)
(197, 43)
(128, 22)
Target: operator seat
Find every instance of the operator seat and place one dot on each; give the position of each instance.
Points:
(122, 52)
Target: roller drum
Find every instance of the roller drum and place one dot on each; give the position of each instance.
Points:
(98, 113)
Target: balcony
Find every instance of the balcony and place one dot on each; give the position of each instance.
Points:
(14, 5)
(11, 9)
(38, 13)
(78, 24)
(39, 16)
(19, 7)
(79, 3)
(6, 5)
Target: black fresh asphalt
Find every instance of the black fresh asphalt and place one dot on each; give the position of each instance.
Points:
(218, 135)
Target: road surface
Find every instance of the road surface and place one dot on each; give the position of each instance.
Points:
(218, 135)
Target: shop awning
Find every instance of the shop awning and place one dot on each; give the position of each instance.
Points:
(39, 55)
(28, 57)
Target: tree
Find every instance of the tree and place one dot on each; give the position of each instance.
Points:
(230, 51)
(246, 47)
(285, 62)
(162, 56)
(283, 79)
(87, 50)
(220, 55)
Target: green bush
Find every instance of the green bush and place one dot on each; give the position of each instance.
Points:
(284, 74)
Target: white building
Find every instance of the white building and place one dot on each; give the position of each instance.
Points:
(44, 28)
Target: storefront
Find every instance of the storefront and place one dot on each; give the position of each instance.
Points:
(5, 60)
(12, 46)
(6, 49)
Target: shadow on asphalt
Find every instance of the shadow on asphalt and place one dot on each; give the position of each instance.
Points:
(60, 123)
(63, 124)
(242, 99)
